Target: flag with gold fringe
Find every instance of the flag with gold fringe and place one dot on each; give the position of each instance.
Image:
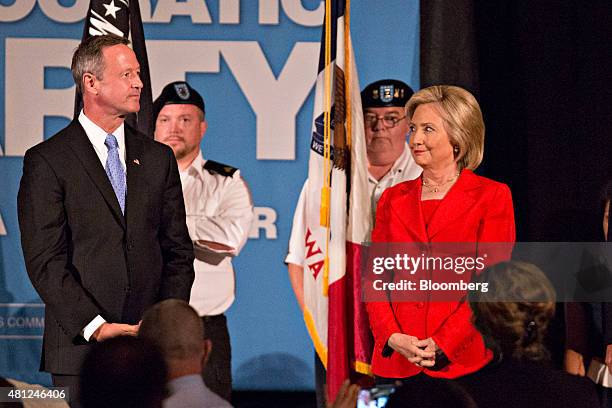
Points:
(337, 208)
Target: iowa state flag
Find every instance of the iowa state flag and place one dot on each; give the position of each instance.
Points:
(337, 208)
(122, 18)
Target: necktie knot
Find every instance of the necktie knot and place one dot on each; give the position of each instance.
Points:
(111, 142)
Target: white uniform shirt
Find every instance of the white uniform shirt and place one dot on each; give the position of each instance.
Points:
(219, 209)
(403, 169)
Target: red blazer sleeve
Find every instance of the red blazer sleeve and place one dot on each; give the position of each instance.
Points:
(498, 225)
(456, 335)
(382, 320)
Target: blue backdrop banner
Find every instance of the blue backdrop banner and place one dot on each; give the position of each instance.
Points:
(255, 63)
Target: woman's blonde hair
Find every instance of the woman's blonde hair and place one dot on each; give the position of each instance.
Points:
(462, 119)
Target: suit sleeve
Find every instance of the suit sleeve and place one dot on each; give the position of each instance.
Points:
(455, 336)
(176, 246)
(44, 240)
(230, 225)
(380, 314)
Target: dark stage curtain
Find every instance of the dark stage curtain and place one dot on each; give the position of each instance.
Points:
(542, 73)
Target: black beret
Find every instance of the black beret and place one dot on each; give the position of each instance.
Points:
(385, 93)
(179, 92)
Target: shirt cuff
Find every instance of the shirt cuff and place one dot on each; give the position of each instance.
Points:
(90, 329)
(294, 259)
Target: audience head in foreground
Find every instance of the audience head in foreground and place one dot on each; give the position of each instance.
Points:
(514, 313)
(175, 327)
(123, 372)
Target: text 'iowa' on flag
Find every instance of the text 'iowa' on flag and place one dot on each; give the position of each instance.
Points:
(337, 208)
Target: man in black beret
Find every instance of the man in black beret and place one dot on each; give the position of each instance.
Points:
(389, 163)
(386, 129)
(219, 215)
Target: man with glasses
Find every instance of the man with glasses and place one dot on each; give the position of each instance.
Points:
(389, 163)
(386, 132)
(219, 215)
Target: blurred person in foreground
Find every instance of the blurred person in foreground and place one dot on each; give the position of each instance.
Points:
(428, 392)
(178, 331)
(513, 317)
(123, 372)
(448, 203)
(588, 348)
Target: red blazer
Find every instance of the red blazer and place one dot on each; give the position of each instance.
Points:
(475, 209)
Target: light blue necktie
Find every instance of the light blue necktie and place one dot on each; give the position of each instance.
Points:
(114, 170)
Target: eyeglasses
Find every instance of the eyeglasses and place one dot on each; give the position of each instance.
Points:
(388, 121)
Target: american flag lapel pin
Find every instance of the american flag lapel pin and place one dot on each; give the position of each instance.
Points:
(137, 162)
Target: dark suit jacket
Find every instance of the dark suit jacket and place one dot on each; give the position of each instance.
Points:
(475, 210)
(83, 256)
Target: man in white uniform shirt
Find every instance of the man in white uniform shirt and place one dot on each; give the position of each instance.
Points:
(389, 163)
(219, 215)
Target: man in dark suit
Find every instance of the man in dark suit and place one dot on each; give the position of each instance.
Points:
(102, 216)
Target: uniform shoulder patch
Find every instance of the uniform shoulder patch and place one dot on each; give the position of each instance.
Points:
(219, 168)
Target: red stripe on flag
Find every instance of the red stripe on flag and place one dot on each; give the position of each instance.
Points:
(350, 341)
(337, 341)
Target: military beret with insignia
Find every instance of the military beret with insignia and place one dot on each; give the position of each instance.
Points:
(179, 92)
(385, 93)
(219, 168)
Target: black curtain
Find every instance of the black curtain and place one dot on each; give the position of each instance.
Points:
(542, 73)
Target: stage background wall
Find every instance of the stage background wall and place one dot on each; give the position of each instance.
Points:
(255, 63)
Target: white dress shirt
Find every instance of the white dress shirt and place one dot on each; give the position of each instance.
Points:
(97, 136)
(219, 209)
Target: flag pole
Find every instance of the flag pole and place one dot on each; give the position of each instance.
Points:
(326, 189)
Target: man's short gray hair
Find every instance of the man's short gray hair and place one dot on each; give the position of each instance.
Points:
(88, 57)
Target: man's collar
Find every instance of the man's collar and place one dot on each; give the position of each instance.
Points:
(400, 163)
(185, 381)
(92, 129)
(402, 160)
(197, 165)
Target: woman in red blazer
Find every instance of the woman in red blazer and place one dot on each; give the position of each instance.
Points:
(451, 204)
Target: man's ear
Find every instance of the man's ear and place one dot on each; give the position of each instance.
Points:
(203, 127)
(207, 348)
(88, 84)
